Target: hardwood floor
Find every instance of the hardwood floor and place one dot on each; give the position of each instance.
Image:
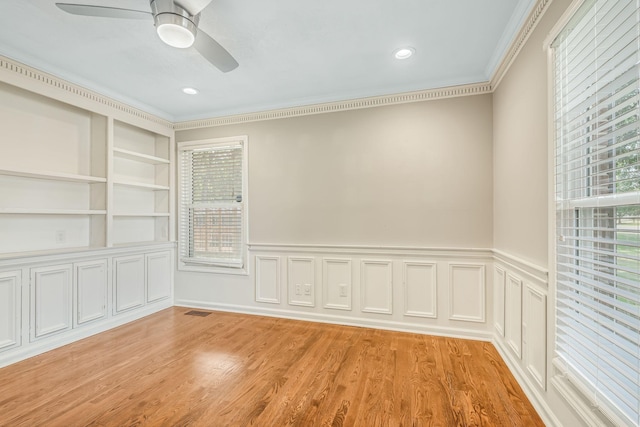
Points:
(172, 369)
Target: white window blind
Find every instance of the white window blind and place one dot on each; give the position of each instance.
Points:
(212, 204)
(597, 186)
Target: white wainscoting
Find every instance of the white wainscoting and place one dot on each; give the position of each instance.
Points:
(535, 338)
(499, 277)
(10, 308)
(467, 292)
(377, 287)
(336, 283)
(513, 311)
(420, 280)
(301, 281)
(408, 289)
(268, 279)
(524, 344)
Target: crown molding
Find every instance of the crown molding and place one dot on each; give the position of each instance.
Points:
(516, 46)
(34, 80)
(333, 107)
(24, 76)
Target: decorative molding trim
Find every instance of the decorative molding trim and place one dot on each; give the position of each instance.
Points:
(17, 69)
(19, 259)
(499, 283)
(260, 297)
(294, 298)
(365, 286)
(472, 253)
(535, 334)
(330, 296)
(513, 313)
(333, 107)
(334, 319)
(11, 305)
(454, 314)
(534, 272)
(518, 43)
(432, 312)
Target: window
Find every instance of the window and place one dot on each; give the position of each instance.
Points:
(597, 188)
(212, 211)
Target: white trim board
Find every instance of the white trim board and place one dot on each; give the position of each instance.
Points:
(388, 325)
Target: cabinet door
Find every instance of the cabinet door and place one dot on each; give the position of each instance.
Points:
(128, 276)
(50, 300)
(90, 291)
(159, 271)
(10, 303)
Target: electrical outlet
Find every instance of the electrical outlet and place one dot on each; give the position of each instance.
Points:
(307, 289)
(344, 290)
(61, 236)
(298, 289)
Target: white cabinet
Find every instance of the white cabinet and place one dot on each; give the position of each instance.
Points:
(159, 271)
(128, 282)
(90, 291)
(10, 304)
(50, 300)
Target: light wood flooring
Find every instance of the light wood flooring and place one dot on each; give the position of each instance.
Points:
(172, 369)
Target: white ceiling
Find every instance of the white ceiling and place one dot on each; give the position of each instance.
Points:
(291, 52)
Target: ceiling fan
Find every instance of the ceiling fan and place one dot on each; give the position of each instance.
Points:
(176, 23)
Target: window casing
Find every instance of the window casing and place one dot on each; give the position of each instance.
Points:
(597, 194)
(212, 213)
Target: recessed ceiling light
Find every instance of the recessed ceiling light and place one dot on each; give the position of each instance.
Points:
(404, 52)
(190, 91)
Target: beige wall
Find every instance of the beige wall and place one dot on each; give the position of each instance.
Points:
(520, 116)
(416, 174)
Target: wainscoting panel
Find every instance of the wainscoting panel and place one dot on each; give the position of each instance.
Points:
(377, 287)
(420, 288)
(268, 279)
(51, 289)
(467, 292)
(10, 304)
(336, 283)
(513, 311)
(301, 281)
(535, 334)
(499, 276)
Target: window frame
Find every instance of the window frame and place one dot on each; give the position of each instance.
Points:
(563, 379)
(184, 265)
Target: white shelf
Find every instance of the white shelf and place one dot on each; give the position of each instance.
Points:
(139, 157)
(56, 176)
(141, 185)
(141, 215)
(28, 211)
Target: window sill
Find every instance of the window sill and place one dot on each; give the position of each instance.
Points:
(214, 269)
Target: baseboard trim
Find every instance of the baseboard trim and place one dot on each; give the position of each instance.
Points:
(35, 348)
(341, 320)
(538, 402)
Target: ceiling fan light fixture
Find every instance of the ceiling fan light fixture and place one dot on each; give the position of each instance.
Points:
(175, 30)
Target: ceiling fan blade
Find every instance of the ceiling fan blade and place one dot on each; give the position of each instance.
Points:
(214, 52)
(103, 11)
(193, 6)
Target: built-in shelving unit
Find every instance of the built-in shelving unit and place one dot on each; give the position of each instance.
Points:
(141, 185)
(86, 213)
(75, 178)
